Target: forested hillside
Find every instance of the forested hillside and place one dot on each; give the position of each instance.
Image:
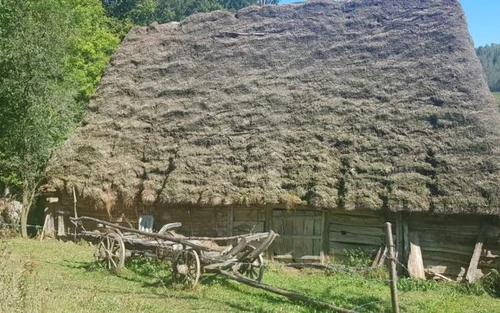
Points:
(489, 56)
(144, 12)
(52, 56)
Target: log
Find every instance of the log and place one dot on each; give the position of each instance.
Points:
(470, 277)
(282, 292)
(415, 261)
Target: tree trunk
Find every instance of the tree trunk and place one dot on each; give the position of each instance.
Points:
(25, 209)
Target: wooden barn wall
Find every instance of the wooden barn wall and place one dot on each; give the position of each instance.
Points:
(212, 222)
(446, 241)
(65, 207)
(355, 230)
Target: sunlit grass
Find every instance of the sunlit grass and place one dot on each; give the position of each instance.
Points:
(62, 277)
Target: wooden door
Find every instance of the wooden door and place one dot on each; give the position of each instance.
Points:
(300, 234)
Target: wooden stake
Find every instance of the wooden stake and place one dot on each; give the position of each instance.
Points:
(470, 277)
(391, 264)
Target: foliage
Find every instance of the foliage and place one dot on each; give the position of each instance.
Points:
(52, 54)
(489, 56)
(145, 12)
(357, 257)
(94, 39)
(18, 285)
(491, 283)
(409, 284)
(497, 97)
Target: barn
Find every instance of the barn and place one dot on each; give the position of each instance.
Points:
(320, 120)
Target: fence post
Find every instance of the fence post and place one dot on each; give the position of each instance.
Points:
(391, 266)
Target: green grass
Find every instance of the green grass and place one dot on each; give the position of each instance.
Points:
(61, 277)
(497, 97)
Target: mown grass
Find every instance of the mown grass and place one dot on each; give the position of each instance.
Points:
(62, 277)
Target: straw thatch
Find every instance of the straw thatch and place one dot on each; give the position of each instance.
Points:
(373, 104)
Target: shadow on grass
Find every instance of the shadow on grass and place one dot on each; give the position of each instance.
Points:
(156, 276)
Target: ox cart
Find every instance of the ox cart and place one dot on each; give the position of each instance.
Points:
(190, 256)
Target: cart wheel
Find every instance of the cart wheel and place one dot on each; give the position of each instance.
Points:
(186, 268)
(252, 269)
(111, 251)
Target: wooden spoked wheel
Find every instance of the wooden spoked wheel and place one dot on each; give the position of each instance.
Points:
(186, 268)
(252, 269)
(111, 251)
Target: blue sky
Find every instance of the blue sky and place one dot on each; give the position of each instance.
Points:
(483, 18)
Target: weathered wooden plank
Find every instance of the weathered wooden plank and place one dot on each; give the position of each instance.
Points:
(308, 227)
(230, 220)
(478, 247)
(338, 248)
(324, 249)
(354, 220)
(298, 226)
(415, 261)
(362, 230)
(356, 238)
(450, 270)
(61, 229)
(311, 237)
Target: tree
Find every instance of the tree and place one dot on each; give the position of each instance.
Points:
(489, 56)
(46, 66)
(144, 12)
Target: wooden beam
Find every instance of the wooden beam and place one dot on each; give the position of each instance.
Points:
(415, 260)
(470, 277)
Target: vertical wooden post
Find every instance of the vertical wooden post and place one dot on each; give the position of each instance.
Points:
(325, 236)
(61, 231)
(391, 264)
(230, 219)
(76, 215)
(268, 225)
(399, 241)
(406, 239)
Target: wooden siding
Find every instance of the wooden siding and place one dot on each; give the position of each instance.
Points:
(446, 241)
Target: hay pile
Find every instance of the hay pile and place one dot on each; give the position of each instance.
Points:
(358, 104)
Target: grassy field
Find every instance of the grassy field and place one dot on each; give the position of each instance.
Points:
(52, 276)
(497, 97)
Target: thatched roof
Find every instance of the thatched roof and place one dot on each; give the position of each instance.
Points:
(375, 104)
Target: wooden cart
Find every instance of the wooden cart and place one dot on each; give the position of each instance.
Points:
(190, 256)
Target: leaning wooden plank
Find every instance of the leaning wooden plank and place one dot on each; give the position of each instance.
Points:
(376, 260)
(415, 261)
(282, 292)
(470, 277)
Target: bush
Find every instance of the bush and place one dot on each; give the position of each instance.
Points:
(358, 257)
(409, 284)
(491, 283)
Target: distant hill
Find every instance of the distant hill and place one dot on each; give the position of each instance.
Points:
(489, 56)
